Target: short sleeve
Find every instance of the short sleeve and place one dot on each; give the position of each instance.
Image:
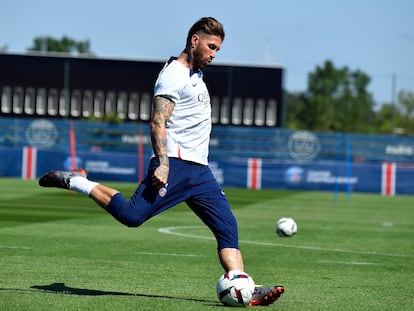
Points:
(169, 82)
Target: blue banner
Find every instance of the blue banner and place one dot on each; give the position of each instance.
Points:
(254, 173)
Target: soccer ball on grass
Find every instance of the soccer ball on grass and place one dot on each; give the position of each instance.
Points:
(286, 227)
(235, 288)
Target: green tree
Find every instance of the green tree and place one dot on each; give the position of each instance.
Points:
(406, 111)
(65, 44)
(386, 117)
(336, 100)
(398, 117)
(293, 101)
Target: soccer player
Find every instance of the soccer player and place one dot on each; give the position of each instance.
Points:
(180, 129)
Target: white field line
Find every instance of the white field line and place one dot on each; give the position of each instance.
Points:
(360, 263)
(168, 254)
(14, 247)
(172, 231)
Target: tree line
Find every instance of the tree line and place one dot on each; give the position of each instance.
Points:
(336, 99)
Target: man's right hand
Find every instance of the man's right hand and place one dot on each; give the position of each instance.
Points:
(160, 176)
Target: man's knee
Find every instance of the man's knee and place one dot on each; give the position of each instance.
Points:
(122, 211)
(131, 223)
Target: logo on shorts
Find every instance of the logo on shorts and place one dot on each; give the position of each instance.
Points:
(163, 191)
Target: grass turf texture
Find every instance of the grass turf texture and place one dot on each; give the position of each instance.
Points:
(59, 251)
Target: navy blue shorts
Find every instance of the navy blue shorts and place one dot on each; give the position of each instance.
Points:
(188, 182)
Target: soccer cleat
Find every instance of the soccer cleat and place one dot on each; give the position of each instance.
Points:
(60, 179)
(266, 295)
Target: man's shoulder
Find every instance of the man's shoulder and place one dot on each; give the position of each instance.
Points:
(173, 65)
(173, 75)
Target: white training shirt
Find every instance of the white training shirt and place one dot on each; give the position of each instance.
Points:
(189, 127)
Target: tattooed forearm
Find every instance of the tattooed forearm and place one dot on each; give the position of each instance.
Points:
(161, 112)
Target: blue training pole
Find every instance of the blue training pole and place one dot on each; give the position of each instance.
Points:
(348, 166)
(338, 160)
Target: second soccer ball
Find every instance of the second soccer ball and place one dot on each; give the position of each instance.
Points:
(286, 227)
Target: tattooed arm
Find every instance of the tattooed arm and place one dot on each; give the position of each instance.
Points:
(161, 111)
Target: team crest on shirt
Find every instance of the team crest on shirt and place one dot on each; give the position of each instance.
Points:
(204, 98)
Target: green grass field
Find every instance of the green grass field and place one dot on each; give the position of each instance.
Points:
(58, 251)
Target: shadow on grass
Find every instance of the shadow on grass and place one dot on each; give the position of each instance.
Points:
(61, 288)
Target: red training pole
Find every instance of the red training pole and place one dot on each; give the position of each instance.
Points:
(140, 156)
(72, 146)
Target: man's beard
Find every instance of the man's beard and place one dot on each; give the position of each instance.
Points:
(197, 62)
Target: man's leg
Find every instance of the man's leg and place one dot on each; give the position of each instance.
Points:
(102, 195)
(211, 205)
(77, 181)
(145, 203)
(231, 259)
(130, 213)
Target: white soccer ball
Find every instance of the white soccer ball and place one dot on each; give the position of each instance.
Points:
(286, 227)
(235, 288)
